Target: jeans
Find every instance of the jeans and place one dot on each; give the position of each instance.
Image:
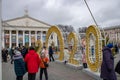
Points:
(19, 78)
(45, 73)
(51, 57)
(31, 76)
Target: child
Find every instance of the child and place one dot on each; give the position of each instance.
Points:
(43, 68)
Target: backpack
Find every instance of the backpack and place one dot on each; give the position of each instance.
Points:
(117, 68)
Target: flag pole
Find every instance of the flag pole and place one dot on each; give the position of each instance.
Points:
(91, 13)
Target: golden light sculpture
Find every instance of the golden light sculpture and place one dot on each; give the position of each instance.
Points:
(73, 36)
(38, 44)
(56, 30)
(94, 66)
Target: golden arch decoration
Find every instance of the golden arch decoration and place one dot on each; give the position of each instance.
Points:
(73, 36)
(38, 44)
(98, 47)
(56, 30)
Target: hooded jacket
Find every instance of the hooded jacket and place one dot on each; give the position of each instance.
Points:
(19, 64)
(33, 61)
(107, 67)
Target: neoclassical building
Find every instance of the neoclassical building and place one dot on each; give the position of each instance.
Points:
(23, 31)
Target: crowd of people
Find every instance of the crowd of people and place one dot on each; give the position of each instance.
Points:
(28, 60)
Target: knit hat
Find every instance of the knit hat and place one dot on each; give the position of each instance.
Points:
(17, 52)
(110, 45)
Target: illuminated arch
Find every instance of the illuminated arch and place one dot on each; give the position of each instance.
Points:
(56, 30)
(98, 47)
(73, 36)
(38, 44)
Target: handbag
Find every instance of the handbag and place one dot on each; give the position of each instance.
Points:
(117, 68)
(45, 63)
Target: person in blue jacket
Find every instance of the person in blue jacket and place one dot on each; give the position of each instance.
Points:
(19, 64)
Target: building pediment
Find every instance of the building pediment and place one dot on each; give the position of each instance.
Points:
(26, 21)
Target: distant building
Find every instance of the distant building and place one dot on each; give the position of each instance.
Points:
(23, 31)
(113, 33)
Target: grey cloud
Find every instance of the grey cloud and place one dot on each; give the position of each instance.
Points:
(70, 12)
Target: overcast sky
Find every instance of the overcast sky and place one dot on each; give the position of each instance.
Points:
(66, 12)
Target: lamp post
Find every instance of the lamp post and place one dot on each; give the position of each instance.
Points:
(0, 41)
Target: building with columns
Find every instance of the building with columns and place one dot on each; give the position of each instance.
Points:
(23, 31)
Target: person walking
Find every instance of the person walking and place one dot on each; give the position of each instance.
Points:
(45, 51)
(84, 61)
(32, 60)
(19, 64)
(4, 55)
(66, 55)
(107, 67)
(12, 54)
(51, 53)
(43, 67)
(24, 51)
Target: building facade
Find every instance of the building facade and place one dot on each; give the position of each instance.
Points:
(113, 33)
(23, 31)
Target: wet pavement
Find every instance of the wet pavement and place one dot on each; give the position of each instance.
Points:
(56, 71)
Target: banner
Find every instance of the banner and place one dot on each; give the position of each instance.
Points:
(13, 38)
(32, 38)
(26, 38)
(43, 38)
(20, 38)
(38, 37)
(7, 38)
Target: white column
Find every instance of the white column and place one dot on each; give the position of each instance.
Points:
(41, 35)
(29, 38)
(3, 39)
(0, 41)
(23, 38)
(17, 38)
(35, 36)
(10, 41)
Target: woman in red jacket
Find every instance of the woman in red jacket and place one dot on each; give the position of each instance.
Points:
(33, 61)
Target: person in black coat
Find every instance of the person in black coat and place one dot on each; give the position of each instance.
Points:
(107, 67)
(4, 55)
(11, 52)
(24, 51)
(51, 53)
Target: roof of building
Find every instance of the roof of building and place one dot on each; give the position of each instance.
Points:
(25, 21)
(112, 27)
